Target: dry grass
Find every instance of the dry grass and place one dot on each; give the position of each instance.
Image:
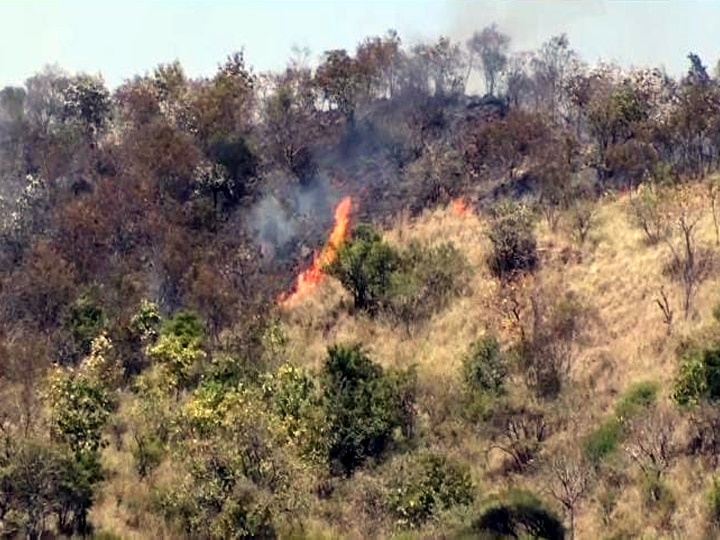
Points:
(618, 277)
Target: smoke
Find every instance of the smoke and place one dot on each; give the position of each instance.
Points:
(529, 24)
(292, 216)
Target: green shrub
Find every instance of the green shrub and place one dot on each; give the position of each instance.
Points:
(364, 266)
(485, 368)
(426, 484)
(514, 247)
(698, 377)
(364, 405)
(427, 279)
(603, 441)
(639, 396)
(712, 505)
(519, 514)
(85, 321)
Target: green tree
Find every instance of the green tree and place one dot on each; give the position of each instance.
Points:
(364, 406)
(364, 266)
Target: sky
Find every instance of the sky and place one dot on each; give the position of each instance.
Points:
(123, 38)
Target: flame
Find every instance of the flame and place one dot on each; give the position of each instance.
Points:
(308, 280)
(459, 208)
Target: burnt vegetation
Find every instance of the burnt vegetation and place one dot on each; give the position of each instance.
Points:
(149, 381)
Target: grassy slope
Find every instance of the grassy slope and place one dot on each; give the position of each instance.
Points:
(615, 273)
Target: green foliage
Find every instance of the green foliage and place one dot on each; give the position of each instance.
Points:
(712, 505)
(427, 279)
(603, 441)
(40, 480)
(607, 437)
(364, 266)
(646, 211)
(657, 496)
(148, 452)
(641, 395)
(85, 321)
(184, 325)
(514, 247)
(411, 285)
(80, 408)
(698, 377)
(364, 406)
(484, 368)
(519, 514)
(146, 322)
(179, 350)
(426, 484)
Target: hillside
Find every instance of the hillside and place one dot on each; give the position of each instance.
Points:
(353, 300)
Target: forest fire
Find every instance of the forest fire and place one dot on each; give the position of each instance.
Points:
(459, 208)
(309, 279)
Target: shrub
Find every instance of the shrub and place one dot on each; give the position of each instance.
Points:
(514, 248)
(712, 503)
(603, 441)
(364, 266)
(364, 406)
(85, 321)
(519, 514)
(639, 396)
(427, 484)
(698, 377)
(484, 368)
(427, 279)
(657, 496)
(646, 212)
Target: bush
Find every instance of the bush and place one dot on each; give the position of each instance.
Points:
(364, 406)
(639, 396)
(603, 442)
(712, 503)
(519, 514)
(364, 266)
(698, 378)
(85, 321)
(427, 279)
(427, 484)
(514, 248)
(484, 368)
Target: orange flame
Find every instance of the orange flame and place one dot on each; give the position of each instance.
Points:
(459, 208)
(308, 280)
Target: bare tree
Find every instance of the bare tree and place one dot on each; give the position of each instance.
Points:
(650, 441)
(688, 264)
(518, 433)
(570, 480)
(713, 191)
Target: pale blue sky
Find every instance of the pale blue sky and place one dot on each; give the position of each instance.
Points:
(124, 38)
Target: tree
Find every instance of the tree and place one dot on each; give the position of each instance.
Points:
(364, 266)
(491, 46)
(364, 405)
(339, 79)
(570, 482)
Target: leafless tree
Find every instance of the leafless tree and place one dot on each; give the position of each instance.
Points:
(650, 441)
(570, 480)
